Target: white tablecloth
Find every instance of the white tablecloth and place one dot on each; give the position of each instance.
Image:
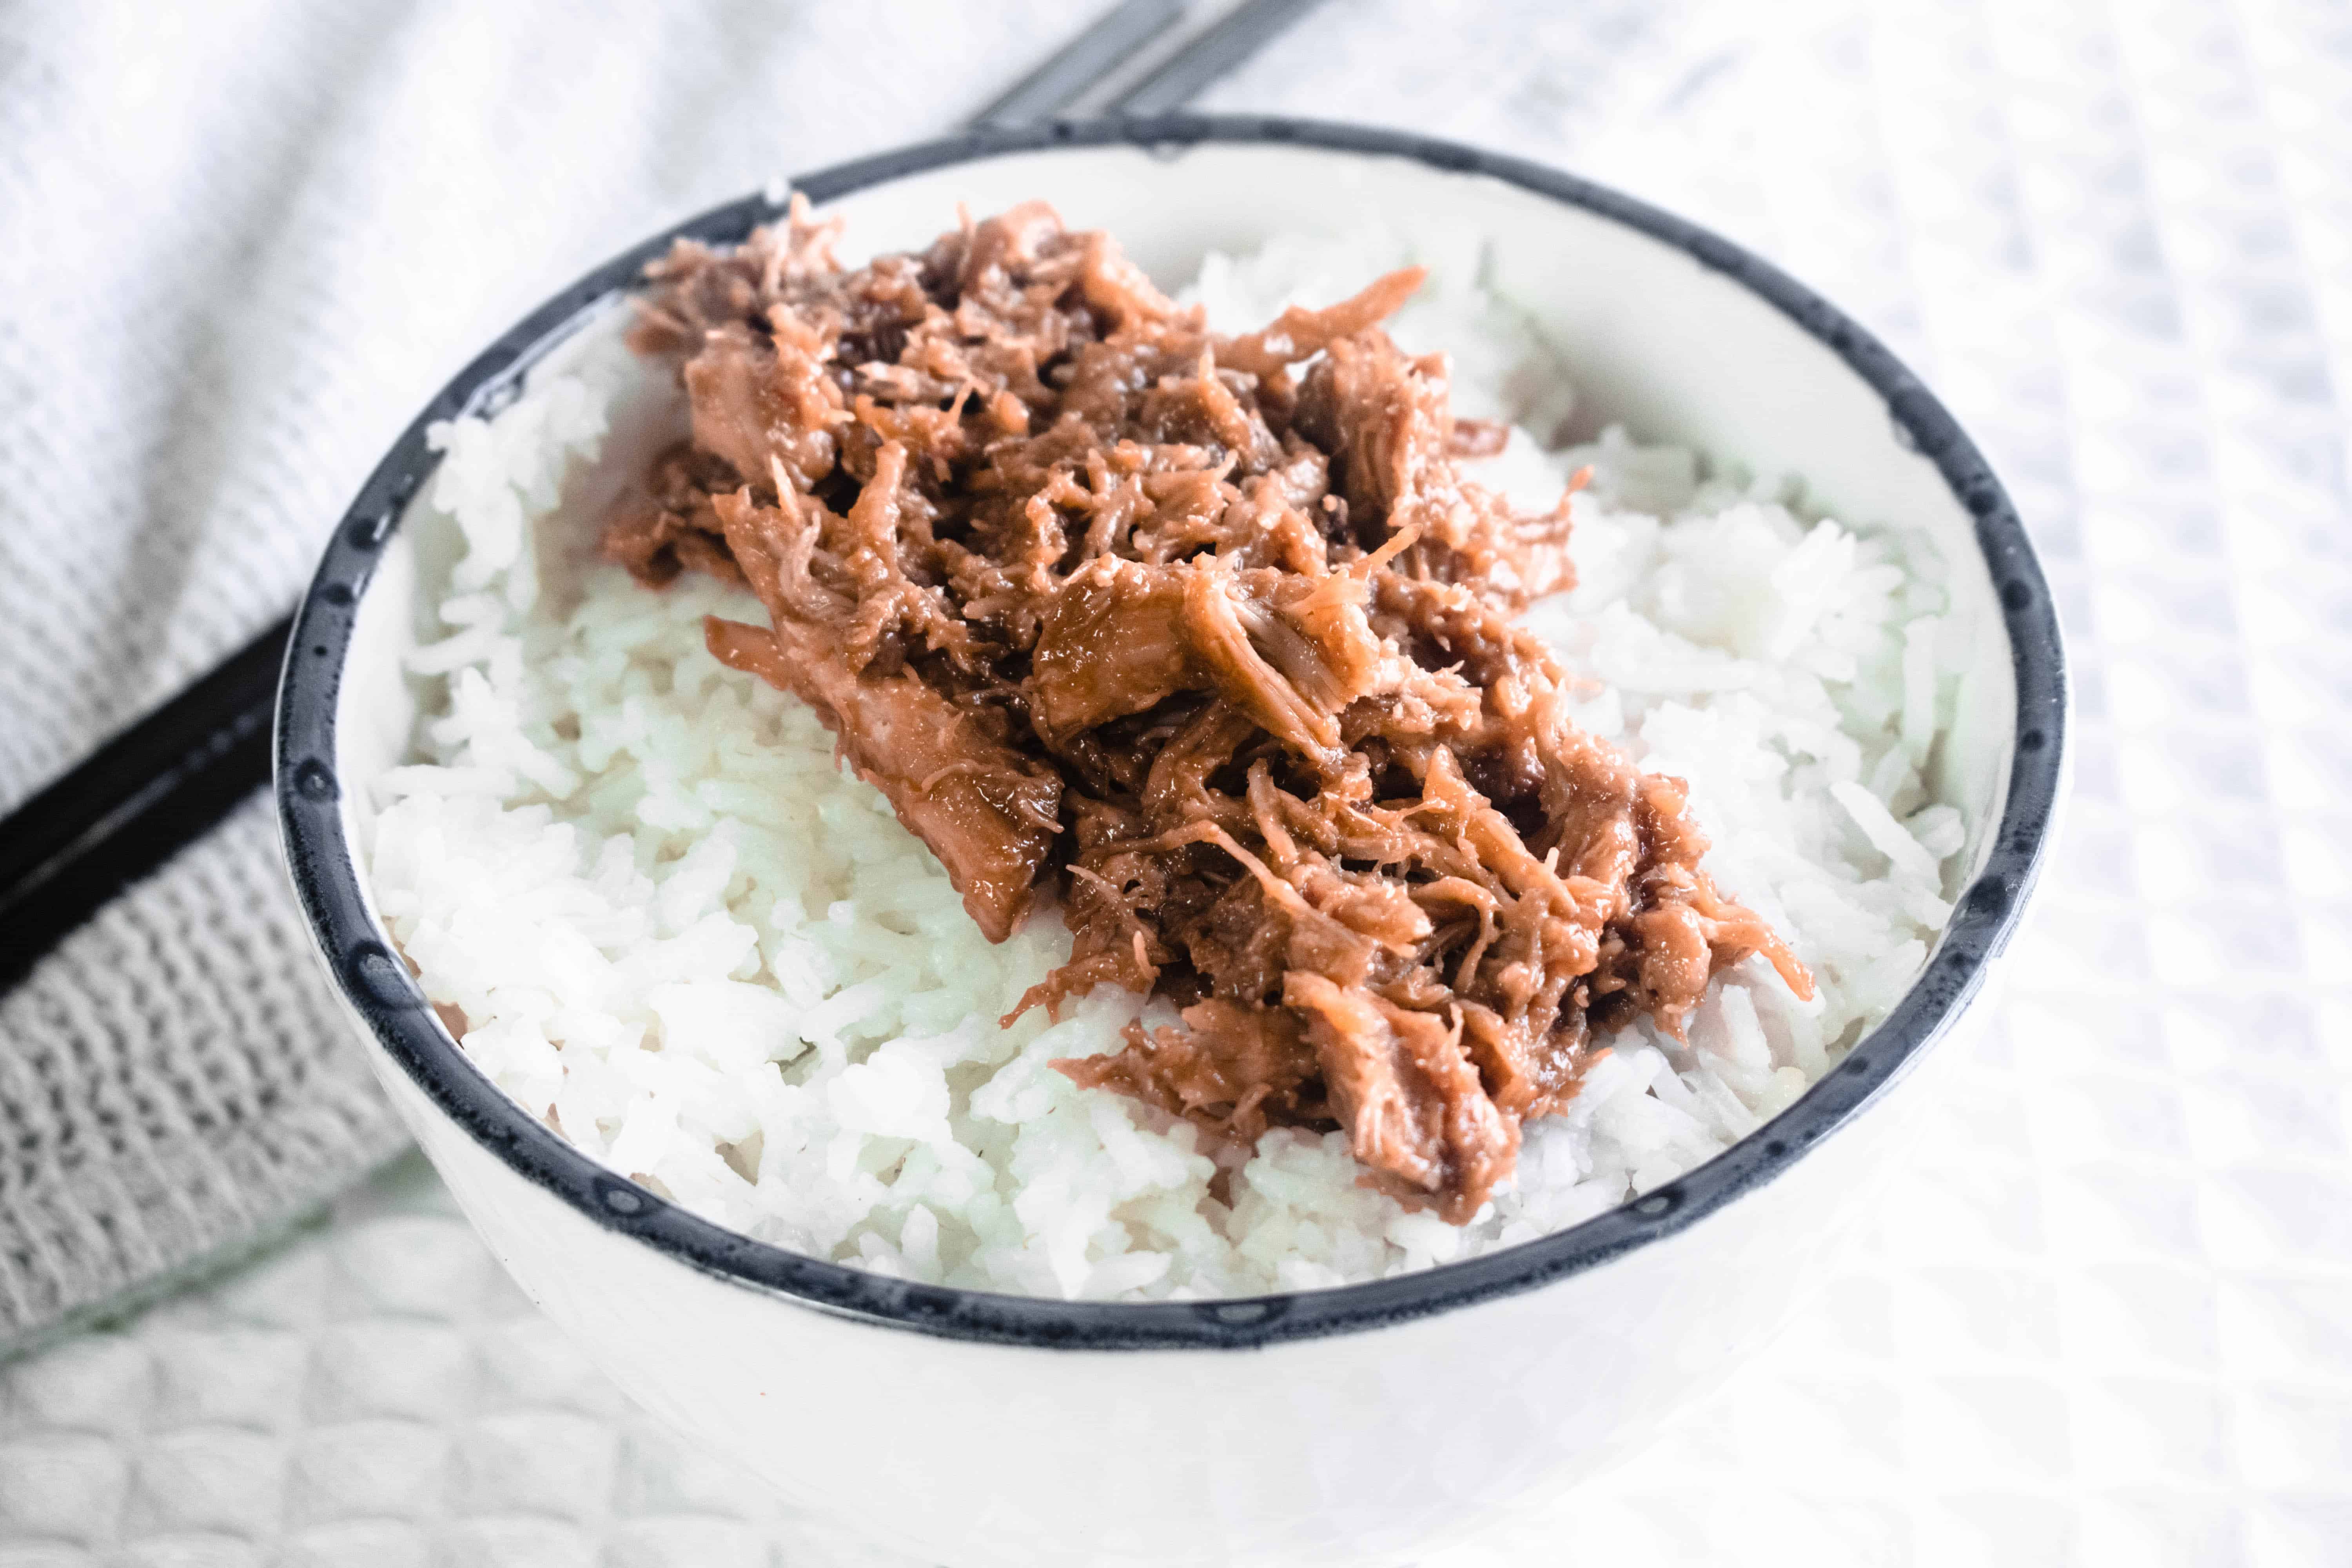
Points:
(2106, 1317)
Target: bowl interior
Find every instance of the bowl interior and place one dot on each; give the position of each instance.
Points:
(1667, 333)
(1672, 348)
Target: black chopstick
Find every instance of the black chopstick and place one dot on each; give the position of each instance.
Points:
(1238, 34)
(1082, 62)
(170, 778)
(135, 803)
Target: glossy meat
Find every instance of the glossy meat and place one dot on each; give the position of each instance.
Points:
(1208, 638)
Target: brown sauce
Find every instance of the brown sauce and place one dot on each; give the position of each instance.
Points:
(1207, 636)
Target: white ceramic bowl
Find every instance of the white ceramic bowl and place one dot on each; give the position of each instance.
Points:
(1352, 1425)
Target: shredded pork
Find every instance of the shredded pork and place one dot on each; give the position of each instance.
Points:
(1208, 638)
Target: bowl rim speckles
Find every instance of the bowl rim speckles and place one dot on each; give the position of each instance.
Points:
(379, 987)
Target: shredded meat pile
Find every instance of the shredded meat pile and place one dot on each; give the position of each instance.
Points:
(1208, 637)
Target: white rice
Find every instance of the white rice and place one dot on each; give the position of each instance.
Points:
(717, 963)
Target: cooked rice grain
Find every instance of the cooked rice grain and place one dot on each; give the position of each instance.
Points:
(717, 963)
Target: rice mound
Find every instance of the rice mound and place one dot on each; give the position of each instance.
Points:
(670, 925)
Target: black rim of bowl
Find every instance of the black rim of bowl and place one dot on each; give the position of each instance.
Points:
(379, 987)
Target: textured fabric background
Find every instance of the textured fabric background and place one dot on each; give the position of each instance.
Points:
(2105, 1317)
